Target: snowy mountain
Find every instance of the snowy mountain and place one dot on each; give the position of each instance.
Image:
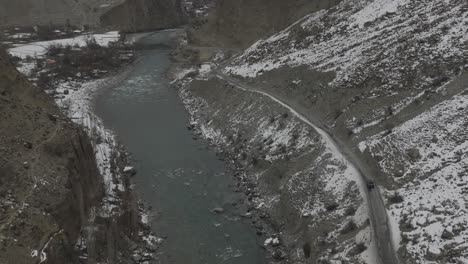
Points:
(242, 22)
(400, 68)
(143, 15)
(45, 12)
(389, 81)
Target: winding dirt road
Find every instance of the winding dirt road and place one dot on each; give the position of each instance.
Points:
(378, 213)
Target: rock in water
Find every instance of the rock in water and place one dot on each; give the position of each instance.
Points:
(128, 170)
(218, 210)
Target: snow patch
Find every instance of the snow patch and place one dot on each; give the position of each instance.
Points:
(38, 49)
(376, 9)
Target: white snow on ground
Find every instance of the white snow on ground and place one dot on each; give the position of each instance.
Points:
(205, 70)
(19, 36)
(150, 239)
(135, 37)
(405, 46)
(358, 129)
(370, 255)
(34, 253)
(182, 74)
(26, 67)
(281, 137)
(330, 176)
(41, 254)
(211, 133)
(376, 9)
(434, 183)
(145, 218)
(38, 49)
(78, 105)
(338, 176)
(351, 173)
(402, 44)
(395, 229)
(434, 140)
(343, 51)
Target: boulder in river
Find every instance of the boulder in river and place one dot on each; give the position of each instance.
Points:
(128, 170)
(218, 210)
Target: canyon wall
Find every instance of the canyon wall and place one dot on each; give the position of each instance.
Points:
(45, 12)
(51, 191)
(144, 15)
(240, 23)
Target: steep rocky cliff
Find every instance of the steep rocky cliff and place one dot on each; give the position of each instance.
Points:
(240, 23)
(144, 15)
(48, 177)
(43, 12)
(51, 191)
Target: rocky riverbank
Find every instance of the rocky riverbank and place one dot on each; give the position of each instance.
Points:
(70, 198)
(266, 229)
(391, 85)
(304, 202)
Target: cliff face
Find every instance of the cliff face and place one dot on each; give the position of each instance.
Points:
(143, 15)
(240, 23)
(43, 12)
(48, 176)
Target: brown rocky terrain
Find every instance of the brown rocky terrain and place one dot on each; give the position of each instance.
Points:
(387, 79)
(49, 179)
(129, 15)
(50, 187)
(60, 12)
(144, 15)
(240, 23)
(289, 175)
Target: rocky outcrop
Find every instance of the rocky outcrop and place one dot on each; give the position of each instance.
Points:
(51, 190)
(240, 23)
(144, 15)
(48, 176)
(45, 12)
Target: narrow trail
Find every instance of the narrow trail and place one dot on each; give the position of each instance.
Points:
(41, 253)
(377, 211)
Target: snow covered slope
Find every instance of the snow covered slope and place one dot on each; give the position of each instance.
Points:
(38, 49)
(389, 52)
(299, 177)
(428, 157)
(394, 86)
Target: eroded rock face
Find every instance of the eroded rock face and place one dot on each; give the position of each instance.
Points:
(240, 23)
(51, 196)
(144, 15)
(45, 12)
(51, 191)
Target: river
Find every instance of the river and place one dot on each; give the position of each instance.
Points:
(179, 177)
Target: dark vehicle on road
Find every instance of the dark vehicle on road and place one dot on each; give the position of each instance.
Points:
(370, 185)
